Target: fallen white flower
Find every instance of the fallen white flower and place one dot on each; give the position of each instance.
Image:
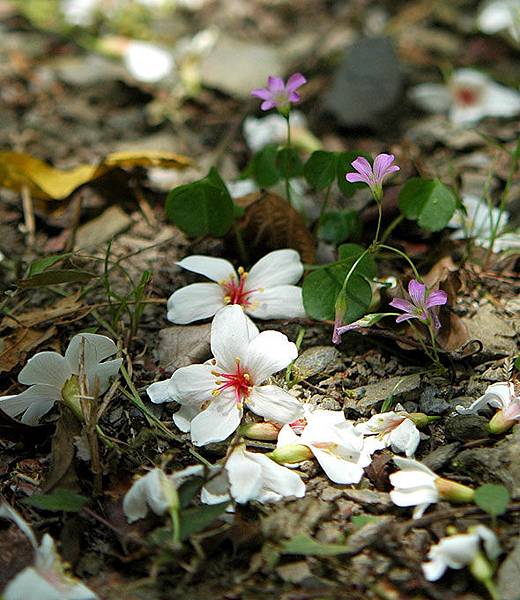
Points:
(469, 96)
(500, 15)
(417, 485)
(47, 579)
(147, 62)
(271, 129)
(267, 291)
(48, 372)
(459, 551)
(212, 395)
(391, 429)
(79, 12)
(333, 441)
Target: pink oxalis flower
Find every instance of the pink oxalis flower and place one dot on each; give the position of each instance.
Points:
(373, 176)
(422, 304)
(279, 94)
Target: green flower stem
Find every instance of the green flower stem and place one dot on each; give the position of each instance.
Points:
(324, 205)
(391, 227)
(434, 342)
(287, 157)
(176, 526)
(402, 255)
(379, 217)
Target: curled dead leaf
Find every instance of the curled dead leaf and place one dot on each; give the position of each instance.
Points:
(271, 223)
(15, 347)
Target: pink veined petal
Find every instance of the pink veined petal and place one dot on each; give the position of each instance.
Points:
(402, 304)
(267, 104)
(363, 167)
(357, 178)
(262, 93)
(294, 97)
(436, 322)
(405, 317)
(437, 298)
(275, 84)
(382, 166)
(295, 81)
(417, 292)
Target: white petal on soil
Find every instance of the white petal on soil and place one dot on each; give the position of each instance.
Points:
(433, 97)
(217, 422)
(274, 404)
(281, 267)
(147, 62)
(268, 353)
(49, 368)
(30, 584)
(194, 302)
(405, 438)
(191, 385)
(160, 392)
(287, 436)
(99, 378)
(216, 269)
(185, 415)
(147, 491)
(230, 335)
(96, 349)
(434, 569)
(409, 464)
(279, 302)
(501, 101)
(337, 468)
(216, 490)
(41, 396)
(245, 476)
(491, 544)
(414, 496)
(278, 482)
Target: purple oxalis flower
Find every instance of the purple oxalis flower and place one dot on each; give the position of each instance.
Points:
(373, 176)
(279, 94)
(421, 305)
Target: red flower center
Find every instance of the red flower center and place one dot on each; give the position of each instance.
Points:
(239, 382)
(235, 290)
(466, 96)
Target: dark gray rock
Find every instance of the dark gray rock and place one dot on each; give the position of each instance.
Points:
(367, 84)
(430, 402)
(441, 456)
(509, 576)
(466, 427)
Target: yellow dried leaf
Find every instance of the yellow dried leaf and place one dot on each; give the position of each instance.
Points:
(47, 183)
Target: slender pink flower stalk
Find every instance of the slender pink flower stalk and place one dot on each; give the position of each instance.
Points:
(279, 94)
(373, 176)
(422, 304)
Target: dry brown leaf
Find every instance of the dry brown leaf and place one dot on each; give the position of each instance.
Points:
(65, 307)
(14, 348)
(271, 222)
(19, 170)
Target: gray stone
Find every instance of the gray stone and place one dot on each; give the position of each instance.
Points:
(102, 229)
(316, 360)
(494, 331)
(509, 576)
(441, 456)
(368, 82)
(183, 345)
(431, 404)
(367, 396)
(371, 500)
(85, 71)
(466, 427)
(236, 67)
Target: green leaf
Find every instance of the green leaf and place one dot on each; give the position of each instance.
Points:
(338, 226)
(263, 166)
(322, 286)
(56, 277)
(306, 546)
(361, 520)
(289, 162)
(517, 363)
(203, 207)
(343, 166)
(492, 498)
(320, 169)
(59, 500)
(197, 519)
(427, 201)
(44, 263)
(188, 490)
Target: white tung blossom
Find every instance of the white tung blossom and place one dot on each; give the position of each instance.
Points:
(459, 551)
(267, 291)
(414, 485)
(334, 442)
(47, 579)
(469, 96)
(47, 373)
(391, 429)
(147, 62)
(500, 15)
(212, 395)
(498, 395)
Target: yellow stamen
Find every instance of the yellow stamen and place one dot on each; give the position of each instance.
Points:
(215, 393)
(227, 299)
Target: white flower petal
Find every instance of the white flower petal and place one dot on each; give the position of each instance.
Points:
(274, 404)
(216, 269)
(147, 491)
(281, 267)
(495, 17)
(160, 392)
(194, 302)
(491, 544)
(230, 333)
(458, 550)
(185, 415)
(96, 349)
(337, 468)
(420, 496)
(268, 353)
(49, 368)
(190, 385)
(405, 438)
(99, 378)
(216, 490)
(286, 436)
(41, 396)
(411, 479)
(29, 584)
(498, 395)
(433, 97)
(278, 482)
(245, 476)
(217, 422)
(464, 115)
(434, 569)
(409, 464)
(280, 302)
(147, 62)
(501, 101)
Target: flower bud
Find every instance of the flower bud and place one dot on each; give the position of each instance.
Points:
(292, 453)
(500, 424)
(70, 394)
(453, 491)
(421, 420)
(481, 568)
(265, 431)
